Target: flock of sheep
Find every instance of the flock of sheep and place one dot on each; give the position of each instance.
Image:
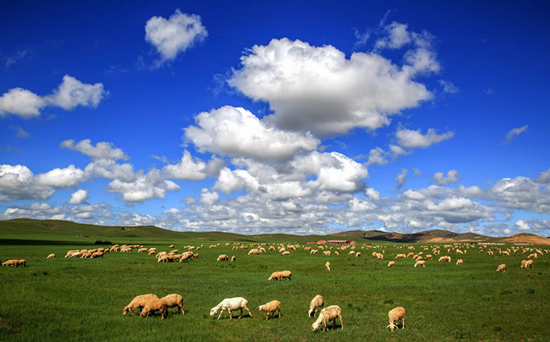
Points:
(150, 303)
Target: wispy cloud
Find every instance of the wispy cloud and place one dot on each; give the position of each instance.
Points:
(514, 133)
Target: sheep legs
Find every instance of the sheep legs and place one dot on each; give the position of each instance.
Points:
(244, 307)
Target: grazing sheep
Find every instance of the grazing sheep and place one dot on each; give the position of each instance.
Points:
(153, 305)
(391, 263)
(395, 315)
(327, 265)
(460, 262)
(357, 255)
(223, 257)
(10, 263)
(270, 308)
(51, 256)
(501, 268)
(314, 251)
(328, 314)
(229, 305)
(420, 263)
(317, 302)
(327, 253)
(527, 263)
(137, 303)
(173, 300)
(286, 253)
(233, 258)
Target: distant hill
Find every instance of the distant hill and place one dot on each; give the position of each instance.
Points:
(28, 231)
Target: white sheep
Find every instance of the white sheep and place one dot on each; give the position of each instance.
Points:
(51, 256)
(328, 314)
(137, 303)
(270, 308)
(223, 257)
(460, 262)
(391, 263)
(527, 263)
(229, 305)
(395, 315)
(173, 300)
(501, 268)
(317, 302)
(327, 265)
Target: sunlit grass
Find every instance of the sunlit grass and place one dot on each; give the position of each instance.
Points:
(82, 299)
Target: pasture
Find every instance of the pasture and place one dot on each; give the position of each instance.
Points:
(82, 299)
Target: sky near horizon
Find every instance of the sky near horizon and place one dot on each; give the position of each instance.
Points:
(295, 117)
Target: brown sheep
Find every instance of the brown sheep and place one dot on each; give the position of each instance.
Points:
(270, 308)
(395, 315)
(153, 305)
(51, 256)
(137, 303)
(328, 314)
(501, 268)
(173, 300)
(223, 257)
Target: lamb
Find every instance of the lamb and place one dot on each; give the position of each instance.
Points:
(501, 268)
(391, 263)
(51, 256)
(328, 314)
(270, 308)
(223, 257)
(327, 265)
(395, 315)
(137, 303)
(420, 263)
(153, 305)
(173, 300)
(229, 305)
(317, 302)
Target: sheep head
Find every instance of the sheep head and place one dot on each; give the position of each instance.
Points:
(125, 311)
(261, 307)
(315, 325)
(214, 311)
(392, 326)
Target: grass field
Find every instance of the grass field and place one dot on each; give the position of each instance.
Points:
(82, 299)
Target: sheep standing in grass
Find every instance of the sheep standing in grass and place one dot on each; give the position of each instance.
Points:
(328, 314)
(233, 258)
(317, 302)
(527, 263)
(391, 263)
(153, 305)
(229, 305)
(21, 263)
(137, 303)
(501, 268)
(51, 256)
(395, 315)
(223, 257)
(173, 300)
(460, 262)
(327, 265)
(270, 308)
(420, 263)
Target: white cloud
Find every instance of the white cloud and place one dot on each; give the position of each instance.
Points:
(208, 197)
(522, 225)
(102, 150)
(145, 187)
(448, 87)
(175, 35)
(195, 170)
(452, 177)
(318, 89)
(377, 156)
(373, 194)
(414, 139)
(521, 193)
(514, 133)
(57, 178)
(236, 132)
(357, 205)
(21, 102)
(397, 37)
(78, 197)
(398, 151)
(70, 94)
(401, 178)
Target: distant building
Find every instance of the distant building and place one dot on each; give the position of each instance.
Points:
(341, 242)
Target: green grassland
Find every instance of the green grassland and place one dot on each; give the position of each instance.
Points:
(82, 299)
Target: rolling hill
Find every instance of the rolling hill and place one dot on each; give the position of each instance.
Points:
(30, 231)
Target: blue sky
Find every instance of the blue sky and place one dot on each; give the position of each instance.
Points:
(308, 117)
